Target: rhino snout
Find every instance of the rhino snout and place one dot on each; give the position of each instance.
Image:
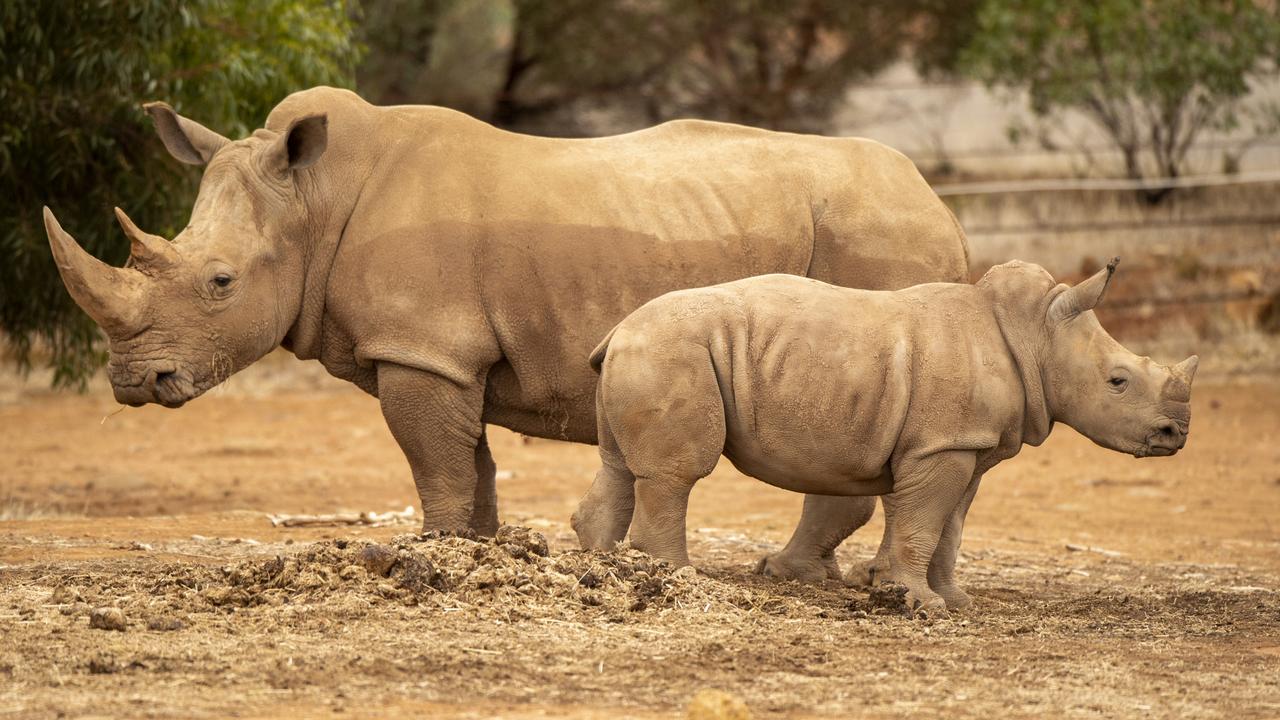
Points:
(1167, 438)
(162, 385)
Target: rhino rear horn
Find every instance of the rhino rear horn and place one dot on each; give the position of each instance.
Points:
(149, 252)
(1084, 296)
(185, 139)
(109, 295)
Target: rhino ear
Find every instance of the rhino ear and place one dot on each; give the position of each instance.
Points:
(186, 140)
(303, 143)
(1082, 297)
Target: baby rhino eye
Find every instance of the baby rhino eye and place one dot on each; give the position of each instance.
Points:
(1117, 382)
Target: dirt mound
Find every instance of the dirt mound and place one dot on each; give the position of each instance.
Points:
(512, 573)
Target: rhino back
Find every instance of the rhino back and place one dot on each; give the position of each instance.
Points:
(474, 251)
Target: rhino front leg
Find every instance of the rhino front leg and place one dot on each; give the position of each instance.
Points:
(484, 513)
(943, 565)
(825, 522)
(926, 493)
(437, 424)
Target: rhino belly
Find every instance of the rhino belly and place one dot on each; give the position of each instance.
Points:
(559, 412)
(809, 467)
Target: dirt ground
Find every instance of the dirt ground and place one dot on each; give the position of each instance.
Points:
(1168, 607)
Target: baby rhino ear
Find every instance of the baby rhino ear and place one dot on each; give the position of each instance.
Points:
(1084, 296)
(302, 144)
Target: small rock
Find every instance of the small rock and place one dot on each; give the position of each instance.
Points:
(378, 559)
(717, 705)
(106, 618)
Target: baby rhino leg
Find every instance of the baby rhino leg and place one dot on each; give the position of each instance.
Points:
(663, 409)
(926, 493)
(825, 522)
(942, 567)
(604, 514)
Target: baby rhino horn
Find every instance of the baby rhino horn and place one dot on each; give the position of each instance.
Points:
(1186, 370)
(1082, 297)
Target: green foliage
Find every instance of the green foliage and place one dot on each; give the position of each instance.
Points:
(1152, 74)
(73, 135)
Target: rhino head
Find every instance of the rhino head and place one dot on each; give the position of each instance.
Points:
(182, 316)
(1118, 399)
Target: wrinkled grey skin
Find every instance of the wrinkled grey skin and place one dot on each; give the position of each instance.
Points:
(461, 273)
(912, 395)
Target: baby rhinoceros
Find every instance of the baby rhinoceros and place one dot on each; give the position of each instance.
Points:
(912, 395)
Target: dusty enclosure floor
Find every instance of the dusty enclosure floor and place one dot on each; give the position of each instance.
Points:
(1171, 609)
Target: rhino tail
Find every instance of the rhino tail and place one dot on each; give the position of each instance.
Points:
(597, 356)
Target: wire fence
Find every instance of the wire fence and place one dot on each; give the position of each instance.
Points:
(1085, 184)
(1153, 228)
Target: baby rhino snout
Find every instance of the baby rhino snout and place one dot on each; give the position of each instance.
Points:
(1168, 438)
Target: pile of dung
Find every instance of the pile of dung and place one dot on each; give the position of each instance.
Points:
(512, 574)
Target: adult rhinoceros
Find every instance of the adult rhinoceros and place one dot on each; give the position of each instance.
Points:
(463, 274)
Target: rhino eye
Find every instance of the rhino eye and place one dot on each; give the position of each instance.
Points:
(221, 280)
(1117, 382)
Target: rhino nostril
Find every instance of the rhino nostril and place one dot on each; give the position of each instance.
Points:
(162, 376)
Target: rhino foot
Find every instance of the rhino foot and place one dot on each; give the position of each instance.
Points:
(927, 608)
(955, 598)
(805, 569)
(867, 573)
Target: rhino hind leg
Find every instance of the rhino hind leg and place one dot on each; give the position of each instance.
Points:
(825, 522)
(926, 494)
(484, 513)
(663, 414)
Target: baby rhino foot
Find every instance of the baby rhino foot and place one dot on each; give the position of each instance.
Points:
(867, 573)
(789, 566)
(930, 606)
(955, 598)
(597, 530)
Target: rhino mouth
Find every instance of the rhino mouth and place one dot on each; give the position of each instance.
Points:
(1161, 444)
(174, 389)
(171, 389)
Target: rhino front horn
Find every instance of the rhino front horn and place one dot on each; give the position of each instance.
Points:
(148, 251)
(107, 294)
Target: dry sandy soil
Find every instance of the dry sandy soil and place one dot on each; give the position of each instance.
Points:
(1171, 609)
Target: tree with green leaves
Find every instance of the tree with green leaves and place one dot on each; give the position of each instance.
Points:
(1153, 75)
(73, 135)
